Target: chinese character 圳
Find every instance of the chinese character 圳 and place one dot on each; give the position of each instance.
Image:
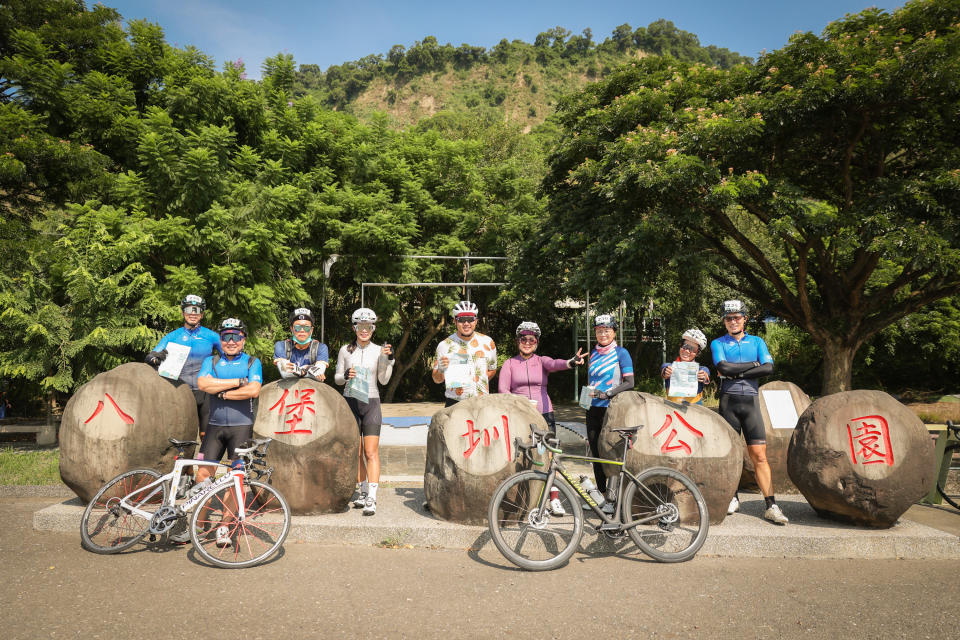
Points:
(870, 440)
(303, 401)
(667, 446)
(475, 436)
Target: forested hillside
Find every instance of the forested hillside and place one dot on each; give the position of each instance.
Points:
(515, 82)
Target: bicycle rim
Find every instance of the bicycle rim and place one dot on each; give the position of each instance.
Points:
(528, 537)
(106, 527)
(252, 541)
(950, 488)
(681, 528)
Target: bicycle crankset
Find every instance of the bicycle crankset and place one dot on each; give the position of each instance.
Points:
(164, 519)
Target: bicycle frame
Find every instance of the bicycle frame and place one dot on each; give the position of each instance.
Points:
(609, 523)
(235, 476)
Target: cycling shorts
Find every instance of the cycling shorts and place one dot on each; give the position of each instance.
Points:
(220, 439)
(743, 414)
(368, 415)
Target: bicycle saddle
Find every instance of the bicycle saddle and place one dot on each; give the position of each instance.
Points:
(182, 443)
(627, 430)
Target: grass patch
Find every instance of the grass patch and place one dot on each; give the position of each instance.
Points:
(21, 467)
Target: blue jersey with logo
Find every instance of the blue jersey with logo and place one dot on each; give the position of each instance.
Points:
(748, 349)
(202, 342)
(232, 413)
(300, 357)
(606, 371)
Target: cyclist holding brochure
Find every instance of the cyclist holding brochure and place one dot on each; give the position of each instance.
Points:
(360, 366)
(694, 341)
(467, 359)
(300, 356)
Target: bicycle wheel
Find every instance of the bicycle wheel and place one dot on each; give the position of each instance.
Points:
(681, 529)
(950, 488)
(263, 530)
(108, 527)
(528, 537)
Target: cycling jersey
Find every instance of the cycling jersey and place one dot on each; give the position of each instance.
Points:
(528, 378)
(202, 342)
(749, 348)
(299, 357)
(607, 369)
(480, 352)
(232, 413)
(370, 360)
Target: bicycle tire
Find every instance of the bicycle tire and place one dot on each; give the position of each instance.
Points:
(950, 488)
(682, 530)
(253, 541)
(520, 532)
(107, 528)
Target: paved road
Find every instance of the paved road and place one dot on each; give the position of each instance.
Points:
(51, 588)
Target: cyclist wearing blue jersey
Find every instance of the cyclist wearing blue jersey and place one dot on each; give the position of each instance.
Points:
(741, 359)
(300, 356)
(202, 342)
(610, 371)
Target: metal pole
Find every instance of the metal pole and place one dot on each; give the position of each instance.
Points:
(576, 368)
(587, 321)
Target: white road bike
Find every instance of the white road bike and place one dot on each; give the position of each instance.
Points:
(237, 521)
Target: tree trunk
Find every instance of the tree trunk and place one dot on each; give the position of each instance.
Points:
(400, 369)
(837, 365)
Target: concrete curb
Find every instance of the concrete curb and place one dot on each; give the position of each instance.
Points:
(401, 520)
(35, 491)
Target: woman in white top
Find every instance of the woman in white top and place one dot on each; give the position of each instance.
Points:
(360, 365)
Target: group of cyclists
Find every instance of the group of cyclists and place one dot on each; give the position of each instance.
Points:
(225, 380)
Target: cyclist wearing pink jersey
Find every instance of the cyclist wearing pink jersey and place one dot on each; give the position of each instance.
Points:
(525, 374)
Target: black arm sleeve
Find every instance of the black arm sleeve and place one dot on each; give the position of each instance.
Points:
(765, 369)
(626, 385)
(734, 369)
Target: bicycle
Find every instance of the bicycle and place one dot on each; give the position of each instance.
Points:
(949, 488)
(237, 520)
(660, 509)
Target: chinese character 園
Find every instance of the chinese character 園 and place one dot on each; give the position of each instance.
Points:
(870, 440)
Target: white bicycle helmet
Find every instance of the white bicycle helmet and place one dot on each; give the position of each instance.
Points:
(605, 320)
(193, 301)
(697, 336)
(363, 314)
(732, 306)
(233, 324)
(528, 327)
(464, 308)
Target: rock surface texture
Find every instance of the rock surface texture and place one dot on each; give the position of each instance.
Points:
(470, 450)
(861, 457)
(688, 438)
(119, 421)
(316, 440)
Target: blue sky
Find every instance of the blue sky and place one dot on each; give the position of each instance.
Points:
(326, 32)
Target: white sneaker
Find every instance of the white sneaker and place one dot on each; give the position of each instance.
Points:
(370, 507)
(360, 501)
(223, 536)
(556, 508)
(734, 506)
(774, 515)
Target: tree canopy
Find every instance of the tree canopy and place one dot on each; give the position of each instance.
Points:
(822, 182)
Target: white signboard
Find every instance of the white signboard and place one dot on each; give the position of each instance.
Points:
(780, 407)
(683, 380)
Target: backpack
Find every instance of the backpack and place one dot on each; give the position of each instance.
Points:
(288, 349)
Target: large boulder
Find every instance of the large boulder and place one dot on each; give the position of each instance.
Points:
(861, 457)
(685, 437)
(316, 440)
(470, 450)
(119, 421)
(781, 404)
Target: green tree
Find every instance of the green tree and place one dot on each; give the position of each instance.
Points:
(823, 181)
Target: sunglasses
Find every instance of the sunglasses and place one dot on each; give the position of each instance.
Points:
(527, 340)
(302, 327)
(192, 310)
(232, 337)
(365, 327)
(690, 348)
(733, 318)
(466, 319)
